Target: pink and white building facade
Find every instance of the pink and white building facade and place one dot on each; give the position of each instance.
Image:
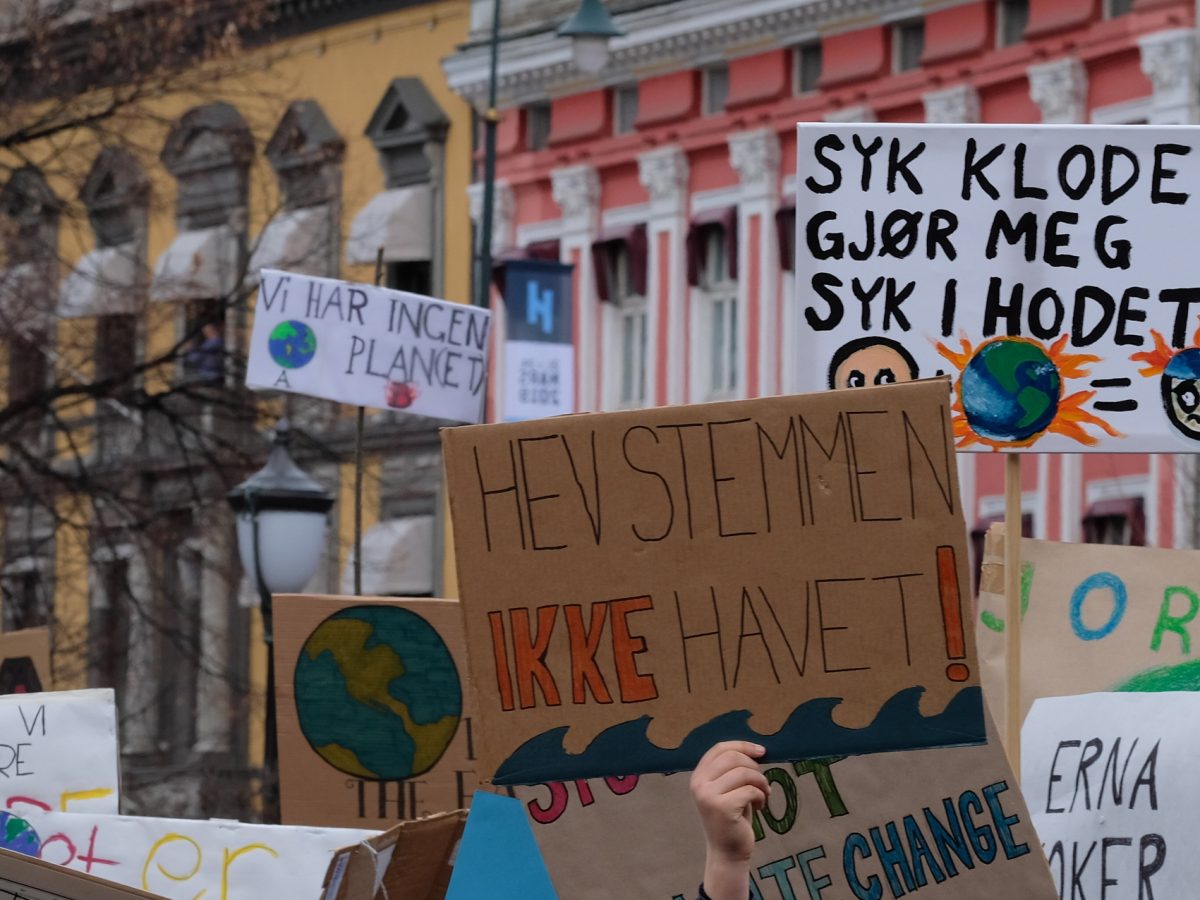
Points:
(667, 181)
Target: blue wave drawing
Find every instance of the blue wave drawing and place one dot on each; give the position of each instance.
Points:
(808, 733)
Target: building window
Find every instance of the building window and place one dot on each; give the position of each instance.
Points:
(718, 316)
(1116, 521)
(116, 352)
(179, 648)
(204, 360)
(625, 109)
(537, 126)
(631, 329)
(1114, 8)
(714, 89)
(807, 62)
(413, 276)
(1011, 18)
(26, 595)
(109, 624)
(908, 43)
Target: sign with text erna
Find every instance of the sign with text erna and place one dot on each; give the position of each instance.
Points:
(1110, 781)
(369, 346)
(1047, 269)
(636, 586)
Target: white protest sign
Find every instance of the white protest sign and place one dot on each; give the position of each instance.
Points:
(182, 859)
(1111, 783)
(59, 751)
(1049, 270)
(369, 346)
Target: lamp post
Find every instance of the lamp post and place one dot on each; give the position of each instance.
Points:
(281, 519)
(590, 29)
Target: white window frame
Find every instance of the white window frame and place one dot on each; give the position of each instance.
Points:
(706, 100)
(624, 95)
(1108, 11)
(798, 88)
(624, 307)
(716, 289)
(897, 43)
(1002, 25)
(44, 567)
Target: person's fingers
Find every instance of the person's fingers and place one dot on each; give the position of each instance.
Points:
(718, 765)
(750, 795)
(737, 778)
(746, 747)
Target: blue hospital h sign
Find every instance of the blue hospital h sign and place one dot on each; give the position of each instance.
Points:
(537, 297)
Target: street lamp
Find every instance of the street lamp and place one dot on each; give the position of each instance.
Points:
(281, 519)
(590, 30)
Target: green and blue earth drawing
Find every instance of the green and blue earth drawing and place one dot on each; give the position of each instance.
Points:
(377, 692)
(1010, 390)
(18, 835)
(292, 344)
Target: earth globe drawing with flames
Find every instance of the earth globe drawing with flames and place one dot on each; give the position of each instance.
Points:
(378, 694)
(292, 344)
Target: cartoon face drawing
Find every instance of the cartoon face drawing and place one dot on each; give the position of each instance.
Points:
(1181, 392)
(870, 361)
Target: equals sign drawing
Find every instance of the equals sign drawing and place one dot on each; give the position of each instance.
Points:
(1114, 405)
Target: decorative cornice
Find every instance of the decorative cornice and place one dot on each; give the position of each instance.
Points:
(576, 190)
(852, 114)
(664, 174)
(754, 155)
(1169, 60)
(504, 209)
(661, 36)
(951, 105)
(1059, 88)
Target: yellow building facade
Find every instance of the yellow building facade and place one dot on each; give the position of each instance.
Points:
(126, 300)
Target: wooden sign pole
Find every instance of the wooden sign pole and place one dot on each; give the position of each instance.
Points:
(1012, 619)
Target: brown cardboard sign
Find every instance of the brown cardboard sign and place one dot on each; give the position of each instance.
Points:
(373, 710)
(32, 879)
(1097, 617)
(639, 585)
(410, 861)
(948, 823)
(25, 661)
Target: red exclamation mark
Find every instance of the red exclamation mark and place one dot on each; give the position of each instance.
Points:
(956, 644)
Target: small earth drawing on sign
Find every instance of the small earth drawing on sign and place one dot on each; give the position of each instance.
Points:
(377, 692)
(292, 344)
(18, 835)
(1179, 381)
(1013, 390)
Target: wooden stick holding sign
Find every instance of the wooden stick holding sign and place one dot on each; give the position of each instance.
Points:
(1012, 593)
(359, 428)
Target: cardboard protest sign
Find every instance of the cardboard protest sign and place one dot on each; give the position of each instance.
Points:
(1111, 782)
(947, 823)
(25, 661)
(372, 710)
(410, 861)
(1097, 618)
(25, 878)
(1050, 274)
(182, 858)
(59, 751)
(638, 585)
(369, 346)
